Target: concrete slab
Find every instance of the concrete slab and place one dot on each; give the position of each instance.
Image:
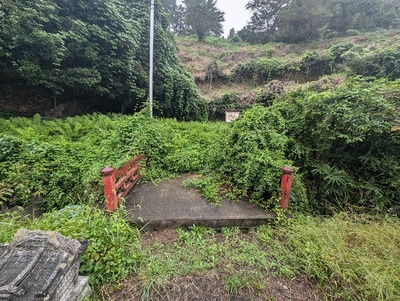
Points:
(170, 205)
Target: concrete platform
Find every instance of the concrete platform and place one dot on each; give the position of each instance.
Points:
(170, 205)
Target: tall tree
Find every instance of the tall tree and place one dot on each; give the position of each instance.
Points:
(287, 20)
(203, 18)
(301, 20)
(169, 7)
(232, 33)
(343, 12)
(263, 23)
(177, 20)
(265, 15)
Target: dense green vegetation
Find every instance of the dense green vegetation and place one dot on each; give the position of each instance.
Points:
(114, 249)
(342, 254)
(94, 54)
(349, 256)
(337, 126)
(219, 61)
(343, 142)
(58, 161)
(201, 17)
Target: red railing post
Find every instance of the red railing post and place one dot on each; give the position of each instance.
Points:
(110, 191)
(286, 186)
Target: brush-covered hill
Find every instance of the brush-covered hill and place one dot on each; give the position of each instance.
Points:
(240, 73)
(340, 100)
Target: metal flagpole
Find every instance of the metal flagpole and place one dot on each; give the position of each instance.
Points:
(151, 57)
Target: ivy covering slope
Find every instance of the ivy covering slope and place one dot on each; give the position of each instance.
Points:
(96, 52)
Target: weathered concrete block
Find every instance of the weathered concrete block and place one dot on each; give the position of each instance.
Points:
(39, 265)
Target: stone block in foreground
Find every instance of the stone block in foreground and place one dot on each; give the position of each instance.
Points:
(42, 266)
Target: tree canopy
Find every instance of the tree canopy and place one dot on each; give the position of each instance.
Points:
(95, 50)
(306, 20)
(199, 17)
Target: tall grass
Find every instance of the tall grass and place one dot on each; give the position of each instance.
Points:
(354, 257)
(346, 257)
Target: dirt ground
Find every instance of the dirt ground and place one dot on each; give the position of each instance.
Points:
(209, 287)
(198, 288)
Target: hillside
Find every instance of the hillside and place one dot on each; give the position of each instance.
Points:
(244, 72)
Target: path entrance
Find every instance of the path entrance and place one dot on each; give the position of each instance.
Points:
(170, 205)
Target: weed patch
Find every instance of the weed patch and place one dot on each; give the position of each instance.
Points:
(347, 257)
(114, 250)
(352, 257)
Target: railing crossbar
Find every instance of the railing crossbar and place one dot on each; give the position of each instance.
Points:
(118, 182)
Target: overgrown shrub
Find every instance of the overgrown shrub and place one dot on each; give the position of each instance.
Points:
(214, 72)
(343, 142)
(260, 70)
(339, 49)
(270, 92)
(114, 250)
(58, 161)
(316, 64)
(383, 63)
(254, 154)
(236, 39)
(171, 147)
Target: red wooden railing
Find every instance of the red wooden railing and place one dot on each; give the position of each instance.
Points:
(118, 182)
(286, 186)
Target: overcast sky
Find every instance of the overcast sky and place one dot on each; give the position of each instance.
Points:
(236, 16)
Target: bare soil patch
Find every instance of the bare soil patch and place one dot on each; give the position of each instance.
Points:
(210, 288)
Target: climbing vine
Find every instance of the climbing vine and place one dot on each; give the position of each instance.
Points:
(95, 52)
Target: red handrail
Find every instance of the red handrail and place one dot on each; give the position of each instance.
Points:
(118, 182)
(286, 186)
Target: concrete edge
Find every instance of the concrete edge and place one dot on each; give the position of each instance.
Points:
(211, 223)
